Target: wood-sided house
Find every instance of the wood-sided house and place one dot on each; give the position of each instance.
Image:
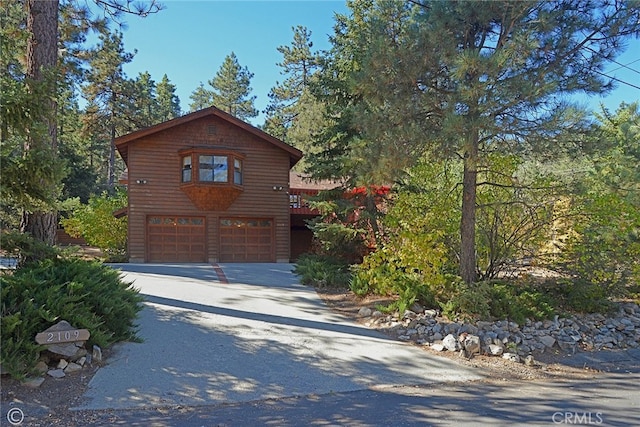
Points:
(208, 187)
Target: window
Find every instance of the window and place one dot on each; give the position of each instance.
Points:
(211, 166)
(186, 169)
(237, 171)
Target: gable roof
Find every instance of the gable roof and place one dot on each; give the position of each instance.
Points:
(122, 142)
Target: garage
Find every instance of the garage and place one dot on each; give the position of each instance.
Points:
(176, 239)
(246, 240)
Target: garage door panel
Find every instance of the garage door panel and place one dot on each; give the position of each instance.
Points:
(176, 239)
(246, 240)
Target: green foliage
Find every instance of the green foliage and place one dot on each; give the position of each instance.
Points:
(462, 80)
(514, 214)
(348, 224)
(322, 271)
(496, 300)
(601, 258)
(87, 294)
(231, 90)
(601, 255)
(97, 225)
(25, 248)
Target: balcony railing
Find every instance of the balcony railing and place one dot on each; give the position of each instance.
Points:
(298, 203)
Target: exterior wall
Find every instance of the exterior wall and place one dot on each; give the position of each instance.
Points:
(155, 176)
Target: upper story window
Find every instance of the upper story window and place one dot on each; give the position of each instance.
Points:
(211, 166)
(186, 169)
(237, 171)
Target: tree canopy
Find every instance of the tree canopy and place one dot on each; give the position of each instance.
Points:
(463, 80)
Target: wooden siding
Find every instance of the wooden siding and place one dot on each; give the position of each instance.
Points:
(155, 176)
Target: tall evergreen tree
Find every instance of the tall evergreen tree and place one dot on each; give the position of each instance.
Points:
(42, 139)
(144, 101)
(200, 98)
(109, 95)
(463, 79)
(294, 114)
(168, 102)
(38, 104)
(232, 89)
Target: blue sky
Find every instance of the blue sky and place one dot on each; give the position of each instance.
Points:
(189, 40)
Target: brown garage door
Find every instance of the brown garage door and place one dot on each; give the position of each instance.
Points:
(246, 240)
(175, 239)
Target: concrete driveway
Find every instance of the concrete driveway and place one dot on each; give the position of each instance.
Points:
(245, 332)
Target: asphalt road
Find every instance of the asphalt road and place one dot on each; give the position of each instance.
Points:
(607, 400)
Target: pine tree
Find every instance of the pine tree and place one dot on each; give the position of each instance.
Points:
(109, 94)
(144, 101)
(463, 79)
(42, 72)
(294, 114)
(168, 102)
(200, 98)
(232, 88)
(42, 140)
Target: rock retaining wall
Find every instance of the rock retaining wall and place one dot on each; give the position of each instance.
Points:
(586, 332)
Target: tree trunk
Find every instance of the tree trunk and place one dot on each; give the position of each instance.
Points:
(111, 180)
(42, 55)
(468, 263)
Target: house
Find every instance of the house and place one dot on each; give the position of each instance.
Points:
(208, 187)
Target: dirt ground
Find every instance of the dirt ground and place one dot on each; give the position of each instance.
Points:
(50, 402)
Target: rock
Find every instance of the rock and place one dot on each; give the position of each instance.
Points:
(438, 347)
(495, 350)
(62, 364)
(56, 373)
(365, 312)
(469, 329)
(430, 313)
(487, 326)
(82, 361)
(97, 354)
(450, 343)
(471, 345)
(630, 308)
(547, 340)
(417, 308)
(437, 336)
(451, 328)
(72, 367)
(511, 357)
(42, 367)
(529, 361)
(33, 382)
(377, 314)
(68, 350)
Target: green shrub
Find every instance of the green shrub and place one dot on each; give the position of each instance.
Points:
(97, 225)
(467, 302)
(518, 302)
(391, 278)
(494, 300)
(25, 248)
(87, 294)
(322, 271)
